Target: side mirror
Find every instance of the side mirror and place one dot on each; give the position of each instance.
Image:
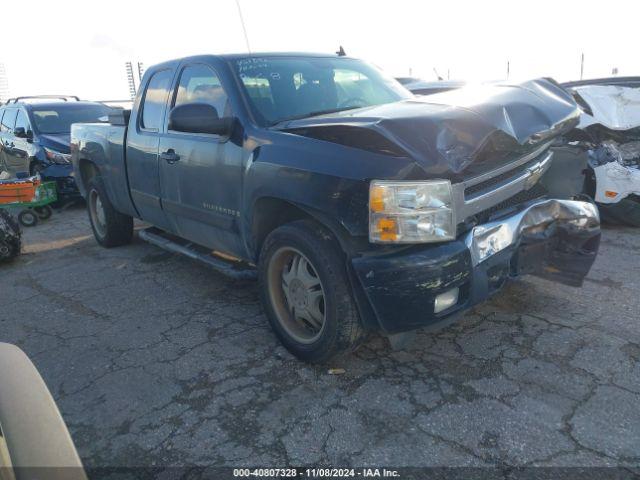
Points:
(199, 118)
(20, 132)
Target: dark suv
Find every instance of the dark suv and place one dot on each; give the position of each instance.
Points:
(34, 136)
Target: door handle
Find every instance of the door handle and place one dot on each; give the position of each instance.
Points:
(170, 156)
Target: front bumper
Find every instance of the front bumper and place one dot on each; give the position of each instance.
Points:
(554, 239)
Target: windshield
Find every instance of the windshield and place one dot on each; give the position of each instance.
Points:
(54, 119)
(279, 89)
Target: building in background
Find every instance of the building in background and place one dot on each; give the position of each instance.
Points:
(4, 84)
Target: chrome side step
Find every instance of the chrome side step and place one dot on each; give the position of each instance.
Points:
(237, 270)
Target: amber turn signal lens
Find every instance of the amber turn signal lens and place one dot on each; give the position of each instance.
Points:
(376, 199)
(388, 228)
(610, 194)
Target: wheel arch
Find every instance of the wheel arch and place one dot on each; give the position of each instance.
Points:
(269, 213)
(87, 169)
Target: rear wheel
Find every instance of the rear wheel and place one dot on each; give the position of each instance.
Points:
(306, 292)
(110, 227)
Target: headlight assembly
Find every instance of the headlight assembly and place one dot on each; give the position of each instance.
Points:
(57, 157)
(410, 212)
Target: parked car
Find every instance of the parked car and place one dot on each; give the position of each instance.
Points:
(600, 158)
(418, 86)
(359, 206)
(34, 136)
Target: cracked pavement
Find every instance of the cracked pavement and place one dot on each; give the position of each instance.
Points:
(156, 360)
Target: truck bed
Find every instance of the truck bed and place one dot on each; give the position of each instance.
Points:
(104, 144)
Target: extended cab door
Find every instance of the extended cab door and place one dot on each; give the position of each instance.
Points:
(143, 137)
(201, 173)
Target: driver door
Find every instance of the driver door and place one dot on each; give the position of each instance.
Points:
(201, 174)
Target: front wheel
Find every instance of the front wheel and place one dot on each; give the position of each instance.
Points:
(36, 168)
(306, 292)
(110, 227)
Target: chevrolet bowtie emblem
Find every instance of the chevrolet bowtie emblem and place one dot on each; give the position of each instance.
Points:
(535, 172)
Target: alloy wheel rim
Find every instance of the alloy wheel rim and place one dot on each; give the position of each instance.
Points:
(297, 295)
(97, 213)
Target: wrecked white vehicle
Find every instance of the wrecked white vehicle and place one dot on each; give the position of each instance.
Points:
(601, 156)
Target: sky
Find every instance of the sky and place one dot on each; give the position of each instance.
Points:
(79, 47)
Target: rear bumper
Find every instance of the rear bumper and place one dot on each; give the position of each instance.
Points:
(554, 239)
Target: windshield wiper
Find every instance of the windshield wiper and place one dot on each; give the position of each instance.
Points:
(316, 113)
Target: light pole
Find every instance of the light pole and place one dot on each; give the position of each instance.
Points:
(130, 80)
(4, 84)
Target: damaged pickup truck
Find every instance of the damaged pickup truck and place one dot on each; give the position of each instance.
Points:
(601, 156)
(359, 206)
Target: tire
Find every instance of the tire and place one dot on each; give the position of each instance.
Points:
(10, 237)
(43, 213)
(284, 289)
(35, 168)
(110, 227)
(625, 212)
(28, 218)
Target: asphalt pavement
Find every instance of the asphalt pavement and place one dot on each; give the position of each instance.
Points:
(157, 360)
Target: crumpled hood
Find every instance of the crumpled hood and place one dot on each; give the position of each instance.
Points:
(466, 131)
(59, 142)
(614, 107)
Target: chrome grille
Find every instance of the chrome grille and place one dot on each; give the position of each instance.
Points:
(487, 191)
(488, 185)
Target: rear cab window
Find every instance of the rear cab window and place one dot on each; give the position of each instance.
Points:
(155, 99)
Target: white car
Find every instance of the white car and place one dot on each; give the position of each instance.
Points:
(603, 151)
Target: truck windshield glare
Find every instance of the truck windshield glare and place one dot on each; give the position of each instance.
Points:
(280, 89)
